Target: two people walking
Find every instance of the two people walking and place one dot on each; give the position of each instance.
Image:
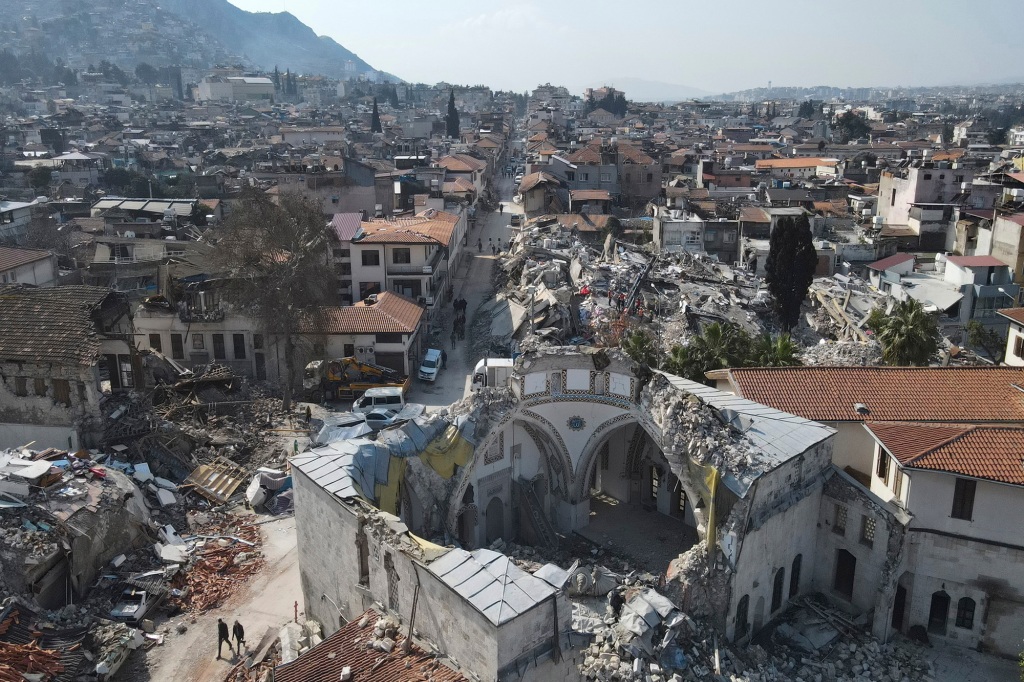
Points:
(222, 636)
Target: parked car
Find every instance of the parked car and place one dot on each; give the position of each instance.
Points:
(379, 419)
(133, 606)
(431, 365)
(389, 398)
(516, 220)
(518, 178)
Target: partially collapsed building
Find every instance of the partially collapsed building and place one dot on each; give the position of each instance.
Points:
(723, 496)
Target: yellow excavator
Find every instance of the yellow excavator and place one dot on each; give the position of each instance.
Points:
(347, 378)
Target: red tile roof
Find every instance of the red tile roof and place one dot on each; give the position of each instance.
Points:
(976, 261)
(393, 313)
(1013, 314)
(14, 258)
(424, 228)
(345, 225)
(808, 162)
(461, 163)
(924, 394)
(891, 261)
(536, 179)
(590, 195)
(995, 453)
(347, 648)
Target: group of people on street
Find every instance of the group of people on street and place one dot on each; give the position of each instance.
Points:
(222, 636)
(459, 328)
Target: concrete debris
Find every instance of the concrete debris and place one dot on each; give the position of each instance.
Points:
(843, 353)
(20, 662)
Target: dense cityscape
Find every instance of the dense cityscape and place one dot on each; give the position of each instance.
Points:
(385, 380)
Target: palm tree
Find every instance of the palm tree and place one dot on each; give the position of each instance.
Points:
(780, 351)
(679, 361)
(909, 334)
(718, 346)
(640, 347)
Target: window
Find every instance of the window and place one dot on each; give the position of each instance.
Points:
(218, 347)
(963, 499)
(367, 288)
(371, 257)
(389, 337)
(1018, 346)
(794, 576)
(584, 177)
(177, 347)
(344, 268)
(898, 483)
(987, 306)
(867, 530)
(628, 177)
(938, 614)
(257, 341)
(655, 483)
(62, 392)
(965, 613)
(606, 177)
(839, 523)
(198, 342)
(650, 177)
(124, 369)
(777, 585)
(20, 386)
(570, 176)
(927, 176)
(730, 237)
(402, 256)
(238, 341)
(155, 343)
(892, 199)
(958, 178)
(942, 176)
(40, 386)
(882, 470)
(741, 617)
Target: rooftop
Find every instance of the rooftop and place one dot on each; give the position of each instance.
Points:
(994, 453)
(1015, 315)
(392, 313)
(13, 258)
(977, 262)
(919, 394)
(347, 648)
(891, 261)
(424, 228)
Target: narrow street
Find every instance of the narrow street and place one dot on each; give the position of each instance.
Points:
(266, 601)
(472, 283)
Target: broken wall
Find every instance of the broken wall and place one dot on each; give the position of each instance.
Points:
(46, 403)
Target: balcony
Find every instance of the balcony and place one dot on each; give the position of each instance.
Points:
(189, 315)
(427, 268)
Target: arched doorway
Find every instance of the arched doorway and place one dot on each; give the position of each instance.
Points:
(759, 614)
(495, 519)
(466, 526)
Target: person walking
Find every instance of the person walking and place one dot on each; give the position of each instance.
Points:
(444, 359)
(222, 636)
(501, 208)
(309, 414)
(454, 334)
(479, 245)
(239, 632)
(494, 250)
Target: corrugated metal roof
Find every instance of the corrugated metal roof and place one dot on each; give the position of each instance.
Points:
(491, 583)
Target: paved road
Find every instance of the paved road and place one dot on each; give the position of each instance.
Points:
(472, 283)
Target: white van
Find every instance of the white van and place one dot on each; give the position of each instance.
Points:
(491, 372)
(431, 365)
(389, 398)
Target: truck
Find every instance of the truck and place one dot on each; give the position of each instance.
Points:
(491, 372)
(348, 378)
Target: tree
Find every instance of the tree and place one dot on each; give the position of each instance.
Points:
(778, 351)
(851, 126)
(988, 339)
(375, 126)
(276, 254)
(639, 346)
(43, 232)
(806, 109)
(718, 346)
(39, 177)
(452, 119)
(147, 73)
(909, 334)
(790, 267)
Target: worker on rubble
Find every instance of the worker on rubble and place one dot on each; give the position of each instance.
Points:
(222, 636)
(309, 414)
(239, 632)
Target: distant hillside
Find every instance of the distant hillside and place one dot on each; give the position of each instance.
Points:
(268, 39)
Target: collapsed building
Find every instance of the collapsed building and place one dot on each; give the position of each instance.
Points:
(584, 444)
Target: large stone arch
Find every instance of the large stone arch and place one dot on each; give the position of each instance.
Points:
(545, 437)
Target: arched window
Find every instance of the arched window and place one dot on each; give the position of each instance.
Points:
(741, 617)
(780, 580)
(794, 576)
(965, 613)
(938, 613)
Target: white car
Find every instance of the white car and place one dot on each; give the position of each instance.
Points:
(378, 419)
(431, 365)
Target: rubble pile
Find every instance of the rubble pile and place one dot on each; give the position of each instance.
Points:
(690, 426)
(227, 552)
(843, 353)
(20, 662)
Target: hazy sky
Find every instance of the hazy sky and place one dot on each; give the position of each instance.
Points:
(715, 46)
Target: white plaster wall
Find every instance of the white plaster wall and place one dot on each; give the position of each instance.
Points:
(854, 446)
(1010, 359)
(997, 508)
(41, 437)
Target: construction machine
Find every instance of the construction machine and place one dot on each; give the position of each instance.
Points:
(348, 378)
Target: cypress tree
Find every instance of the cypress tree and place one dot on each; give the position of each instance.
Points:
(375, 126)
(452, 119)
(790, 267)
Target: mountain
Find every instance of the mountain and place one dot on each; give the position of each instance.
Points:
(641, 90)
(268, 39)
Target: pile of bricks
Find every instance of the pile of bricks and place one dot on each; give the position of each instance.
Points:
(17, 661)
(220, 565)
